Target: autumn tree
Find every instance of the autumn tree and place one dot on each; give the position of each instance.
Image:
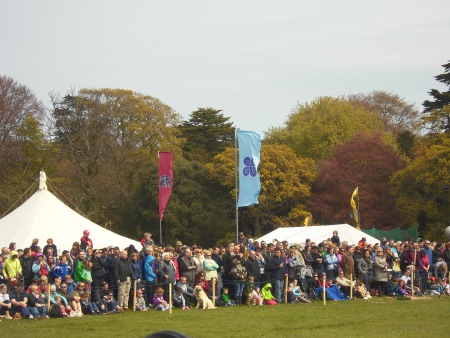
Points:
(207, 133)
(24, 147)
(109, 136)
(314, 128)
(285, 187)
(366, 162)
(422, 189)
(396, 114)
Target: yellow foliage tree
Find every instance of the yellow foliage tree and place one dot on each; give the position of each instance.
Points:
(286, 182)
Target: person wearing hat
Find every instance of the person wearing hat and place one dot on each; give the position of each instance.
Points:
(239, 274)
(362, 242)
(85, 241)
(241, 239)
(140, 301)
(12, 269)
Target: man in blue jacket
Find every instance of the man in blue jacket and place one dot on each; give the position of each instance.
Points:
(277, 267)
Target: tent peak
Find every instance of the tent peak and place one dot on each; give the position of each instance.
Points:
(42, 180)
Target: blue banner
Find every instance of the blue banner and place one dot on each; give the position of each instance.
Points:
(249, 154)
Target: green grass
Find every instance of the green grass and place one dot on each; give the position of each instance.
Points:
(357, 318)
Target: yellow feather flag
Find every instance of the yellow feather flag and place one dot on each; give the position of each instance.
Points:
(353, 200)
(308, 221)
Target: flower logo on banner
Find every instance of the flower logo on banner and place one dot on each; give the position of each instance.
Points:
(165, 181)
(249, 168)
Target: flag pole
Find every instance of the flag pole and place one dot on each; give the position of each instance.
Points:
(236, 183)
(160, 230)
(160, 220)
(359, 215)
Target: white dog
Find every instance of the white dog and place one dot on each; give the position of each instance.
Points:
(202, 298)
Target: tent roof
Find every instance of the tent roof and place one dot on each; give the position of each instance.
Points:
(44, 216)
(317, 233)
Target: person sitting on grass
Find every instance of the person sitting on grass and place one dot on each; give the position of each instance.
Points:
(403, 289)
(37, 299)
(258, 298)
(110, 303)
(59, 302)
(178, 299)
(88, 306)
(266, 291)
(393, 288)
(249, 288)
(54, 293)
(344, 284)
(159, 303)
(299, 296)
(73, 301)
(19, 302)
(140, 301)
(361, 291)
(225, 299)
(5, 304)
(187, 291)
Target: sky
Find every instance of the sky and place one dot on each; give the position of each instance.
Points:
(254, 60)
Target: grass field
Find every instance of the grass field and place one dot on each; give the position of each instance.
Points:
(357, 318)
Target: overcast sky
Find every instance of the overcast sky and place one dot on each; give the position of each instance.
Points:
(253, 59)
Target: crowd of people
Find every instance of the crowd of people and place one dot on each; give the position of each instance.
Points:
(43, 282)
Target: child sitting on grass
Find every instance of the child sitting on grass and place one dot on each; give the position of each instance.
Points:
(225, 299)
(249, 290)
(140, 301)
(158, 300)
(266, 291)
(257, 296)
(60, 303)
(178, 299)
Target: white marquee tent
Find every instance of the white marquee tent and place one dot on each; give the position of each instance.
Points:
(317, 233)
(44, 216)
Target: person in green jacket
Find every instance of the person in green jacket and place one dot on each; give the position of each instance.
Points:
(266, 291)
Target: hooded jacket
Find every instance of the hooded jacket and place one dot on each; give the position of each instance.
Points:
(149, 274)
(12, 267)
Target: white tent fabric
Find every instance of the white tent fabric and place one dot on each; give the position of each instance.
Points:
(317, 233)
(44, 216)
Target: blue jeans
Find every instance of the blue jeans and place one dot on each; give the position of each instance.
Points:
(278, 285)
(238, 289)
(27, 311)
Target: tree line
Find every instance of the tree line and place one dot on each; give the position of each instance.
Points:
(99, 150)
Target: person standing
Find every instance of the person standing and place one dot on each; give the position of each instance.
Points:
(97, 276)
(167, 273)
(149, 272)
(26, 261)
(122, 275)
(380, 272)
(188, 267)
(85, 241)
(347, 263)
(227, 261)
(277, 267)
(12, 270)
(239, 274)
